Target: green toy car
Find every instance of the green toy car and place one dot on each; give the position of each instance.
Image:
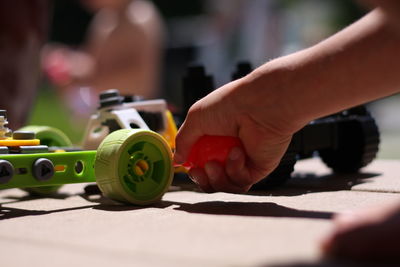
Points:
(130, 165)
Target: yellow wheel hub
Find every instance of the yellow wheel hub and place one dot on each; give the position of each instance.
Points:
(141, 167)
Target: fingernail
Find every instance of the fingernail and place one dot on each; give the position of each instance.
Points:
(235, 153)
(194, 179)
(194, 176)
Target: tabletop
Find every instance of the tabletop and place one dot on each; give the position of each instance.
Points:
(280, 227)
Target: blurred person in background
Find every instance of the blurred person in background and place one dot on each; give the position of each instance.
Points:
(240, 30)
(123, 51)
(23, 31)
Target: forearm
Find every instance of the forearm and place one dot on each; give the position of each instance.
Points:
(354, 66)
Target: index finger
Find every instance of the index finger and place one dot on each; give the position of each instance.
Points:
(187, 135)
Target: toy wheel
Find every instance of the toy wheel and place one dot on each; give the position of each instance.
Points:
(358, 144)
(134, 166)
(280, 175)
(50, 137)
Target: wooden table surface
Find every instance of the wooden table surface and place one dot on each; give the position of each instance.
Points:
(189, 228)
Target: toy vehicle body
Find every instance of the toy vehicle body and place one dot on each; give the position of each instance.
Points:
(345, 141)
(117, 112)
(130, 165)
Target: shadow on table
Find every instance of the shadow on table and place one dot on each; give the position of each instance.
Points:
(301, 183)
(28, 197)
(11, 213)
(107, 204)
(99, 202)
(304, 183)
(253, 209)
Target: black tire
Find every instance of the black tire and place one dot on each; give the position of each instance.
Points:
(196, 85)
(280, 175)
(358, 144)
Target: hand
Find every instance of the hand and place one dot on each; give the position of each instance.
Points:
(236, 110)
(56, 64)
(63, 65)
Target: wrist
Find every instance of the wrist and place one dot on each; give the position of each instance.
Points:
(266, 95)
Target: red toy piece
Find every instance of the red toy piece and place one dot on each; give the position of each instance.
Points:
(211, 148)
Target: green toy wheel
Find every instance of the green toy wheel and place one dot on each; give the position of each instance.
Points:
(50, 137)
(134, 166)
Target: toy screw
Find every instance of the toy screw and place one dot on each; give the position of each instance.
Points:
(4, 131)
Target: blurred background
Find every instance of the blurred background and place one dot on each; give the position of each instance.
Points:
(216, 33)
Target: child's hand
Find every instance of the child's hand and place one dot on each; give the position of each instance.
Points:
(235, 110)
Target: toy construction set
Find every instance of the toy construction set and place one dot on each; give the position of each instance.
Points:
(128, 146)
